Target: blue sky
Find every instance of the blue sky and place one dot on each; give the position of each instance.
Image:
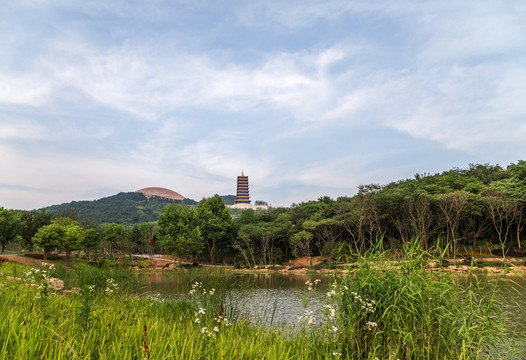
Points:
(309, 98)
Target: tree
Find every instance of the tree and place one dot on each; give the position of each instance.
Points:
(114, 236)
(179, 229)
(72, 239)
(360, 218)
(50, 237)
(9, 226)
(90, 240)
(452, 206)
(418, 211)
(148, 235)
(32, 221)
(216, 226)
(301, 244)
(326, 231)
(501, 210)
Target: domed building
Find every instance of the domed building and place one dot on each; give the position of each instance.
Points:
(161, 193)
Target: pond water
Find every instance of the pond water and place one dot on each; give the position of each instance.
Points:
(279, 298)
(269, 298)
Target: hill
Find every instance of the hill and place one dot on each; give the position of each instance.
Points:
(122, 208)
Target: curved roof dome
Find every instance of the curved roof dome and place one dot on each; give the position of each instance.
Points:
(160, 192)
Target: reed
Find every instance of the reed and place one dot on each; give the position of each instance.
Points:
(403, 314)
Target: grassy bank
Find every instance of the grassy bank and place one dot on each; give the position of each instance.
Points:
(409, 314)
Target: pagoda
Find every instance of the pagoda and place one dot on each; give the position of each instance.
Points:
(242, 196)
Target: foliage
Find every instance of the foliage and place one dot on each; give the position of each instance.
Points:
(9, 226)
(32, 221)
(63, 233)
(123, 208)
(179, 229)
(50, 237)
(301, 244)
(406, 314)
(413, 314)
(216, 226)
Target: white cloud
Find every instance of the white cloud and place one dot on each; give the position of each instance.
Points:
(24, 89)
(21, 129)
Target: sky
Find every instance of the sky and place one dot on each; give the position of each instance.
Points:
(308, 98)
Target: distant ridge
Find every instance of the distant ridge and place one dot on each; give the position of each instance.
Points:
(161, 192)
(123, 208)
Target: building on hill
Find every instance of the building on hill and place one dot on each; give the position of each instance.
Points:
(242, 195)
(161, 193)
(242, 200)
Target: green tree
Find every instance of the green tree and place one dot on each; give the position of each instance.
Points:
(216, 226)
(148, 235)
(113, 237)
(9, 226)
(179, 229)
(90, 240)
(452, 206)
(32, 221)
(72, 239)
(302, 244)
(50, 237)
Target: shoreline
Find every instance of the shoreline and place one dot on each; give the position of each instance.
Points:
(491, 266)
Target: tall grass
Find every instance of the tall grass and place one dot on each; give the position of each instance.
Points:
(401, 313)
(407, 313)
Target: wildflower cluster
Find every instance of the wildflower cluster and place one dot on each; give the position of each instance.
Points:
(366, 304)
(43, 291)
(331, 311)
(197, 315)
(204, 330)
(311, 286)
(307, 318)
(370, 325)
(35, 275)
(156, 298)
(111, 285)
(199, 289)
(222, 320)
(200, 316)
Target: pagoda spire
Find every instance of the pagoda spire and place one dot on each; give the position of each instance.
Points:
(242, 195)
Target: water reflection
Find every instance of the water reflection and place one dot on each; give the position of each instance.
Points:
(277, 298)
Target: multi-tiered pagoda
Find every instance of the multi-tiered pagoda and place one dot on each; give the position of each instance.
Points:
(242, 196)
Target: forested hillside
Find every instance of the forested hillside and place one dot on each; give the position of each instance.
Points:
(123, 208)
(481, 209)
(478, 209)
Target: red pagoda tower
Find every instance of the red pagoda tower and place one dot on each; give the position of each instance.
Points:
(242, 196)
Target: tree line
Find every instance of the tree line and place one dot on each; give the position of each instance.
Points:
(481, 208)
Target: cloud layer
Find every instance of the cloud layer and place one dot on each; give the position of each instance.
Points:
(310, 99)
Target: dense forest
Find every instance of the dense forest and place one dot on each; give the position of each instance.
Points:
(480, 209)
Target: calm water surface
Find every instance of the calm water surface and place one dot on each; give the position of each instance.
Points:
(277, 298)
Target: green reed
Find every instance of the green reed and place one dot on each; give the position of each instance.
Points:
(401, 313)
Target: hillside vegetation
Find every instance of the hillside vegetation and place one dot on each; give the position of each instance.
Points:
(123, 208)
(480, 210)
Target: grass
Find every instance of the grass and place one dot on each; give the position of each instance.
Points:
(414, 314)
(404, 314)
